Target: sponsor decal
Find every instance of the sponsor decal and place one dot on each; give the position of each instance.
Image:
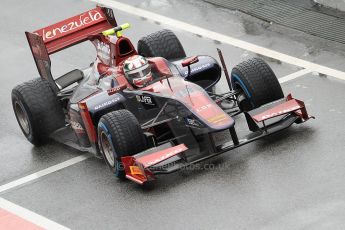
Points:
(217, 119)
(165, 156)
(135, 170)
(192, 122)
(281, 112)
(146, 100)
(202, 108)
(198, 68)
(116, 89)
(107, 103)
(83, 20)
(77, 126)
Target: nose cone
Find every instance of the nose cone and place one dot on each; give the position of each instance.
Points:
(210, 113)
(195, 99)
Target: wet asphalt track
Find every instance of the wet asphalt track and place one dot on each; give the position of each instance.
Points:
(292, 180)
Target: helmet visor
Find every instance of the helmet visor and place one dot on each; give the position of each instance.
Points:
(140, 72)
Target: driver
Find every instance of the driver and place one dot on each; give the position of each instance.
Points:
(137, 71)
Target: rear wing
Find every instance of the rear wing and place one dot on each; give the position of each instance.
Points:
(66, 33)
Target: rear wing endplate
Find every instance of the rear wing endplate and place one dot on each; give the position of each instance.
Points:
(66, 33)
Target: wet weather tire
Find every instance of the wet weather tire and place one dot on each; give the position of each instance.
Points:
(163, 43)
(37, 110)
(119, 134)
(257, 82)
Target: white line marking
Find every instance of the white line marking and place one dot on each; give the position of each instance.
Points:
(223, 38)
(29, 215)
(43, 172)
(294, 75)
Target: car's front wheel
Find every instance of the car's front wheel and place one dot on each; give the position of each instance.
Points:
(257, 84)
(119, 134)
(163, 43)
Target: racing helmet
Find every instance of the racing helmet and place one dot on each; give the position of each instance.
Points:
(137, 71)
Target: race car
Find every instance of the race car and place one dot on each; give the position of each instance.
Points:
(150, 110)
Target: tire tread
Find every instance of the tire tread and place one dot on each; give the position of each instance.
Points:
(128, 138)
(259, 80)
(163, 43)
(43, 107)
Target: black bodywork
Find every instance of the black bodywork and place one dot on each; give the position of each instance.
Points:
(206, 73)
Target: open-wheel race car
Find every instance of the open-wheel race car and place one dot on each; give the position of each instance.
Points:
(149, 110)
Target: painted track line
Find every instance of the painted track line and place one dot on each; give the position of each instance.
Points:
(43, 172)
(294, 75)
(29, 216)
(222, 38)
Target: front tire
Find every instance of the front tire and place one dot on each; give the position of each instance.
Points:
(119, 134)
(163, 43)
(257, 83)
(37, 110)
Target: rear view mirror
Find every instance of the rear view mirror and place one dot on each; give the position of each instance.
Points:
(189, 61)
(116, 89)
(69, 78)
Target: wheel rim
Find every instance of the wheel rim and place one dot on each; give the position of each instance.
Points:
(107, 149)
(22, 117)
(246, 104)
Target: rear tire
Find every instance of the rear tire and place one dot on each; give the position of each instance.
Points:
(37, 110)
(257, 83)
(163, 43)
(119, 134)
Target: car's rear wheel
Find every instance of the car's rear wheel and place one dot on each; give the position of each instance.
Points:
(163, 43)
(37, 110)
(119, 134)
(257, 83)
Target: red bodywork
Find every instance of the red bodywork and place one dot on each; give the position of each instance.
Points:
(291, 105)
(136, 168)
(111, 51)
(75, 29)
(90, 128)
(155, 158)
(190, 61)
(48, 40)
